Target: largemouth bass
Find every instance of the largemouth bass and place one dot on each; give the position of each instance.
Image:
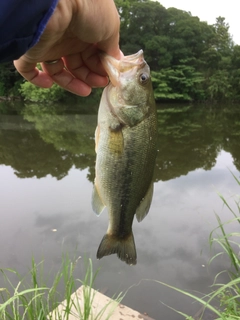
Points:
(126, 151)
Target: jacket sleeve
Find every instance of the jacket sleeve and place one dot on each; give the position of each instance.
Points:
(21, 24)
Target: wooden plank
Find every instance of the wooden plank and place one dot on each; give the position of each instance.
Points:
(102, 307)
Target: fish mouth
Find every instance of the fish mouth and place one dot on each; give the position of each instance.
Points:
(114, 67)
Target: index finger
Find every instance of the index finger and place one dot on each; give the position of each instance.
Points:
(31, 73)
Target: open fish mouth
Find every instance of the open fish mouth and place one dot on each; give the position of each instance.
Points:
(115, 67)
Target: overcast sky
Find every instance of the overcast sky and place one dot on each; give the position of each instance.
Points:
(208, 10)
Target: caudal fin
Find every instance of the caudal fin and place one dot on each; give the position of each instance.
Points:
(124, 248)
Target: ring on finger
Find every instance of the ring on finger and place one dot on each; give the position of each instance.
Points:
(52, 61)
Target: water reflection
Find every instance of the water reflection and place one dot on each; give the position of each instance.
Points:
(53, 144)
(44, 141)
(195, 148)
(192, 138)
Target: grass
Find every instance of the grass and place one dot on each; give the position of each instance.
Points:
(39, 302)
(225, 296)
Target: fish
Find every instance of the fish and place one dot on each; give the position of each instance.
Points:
(125, 144)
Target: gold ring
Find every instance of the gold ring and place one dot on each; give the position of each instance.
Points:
(52, 61)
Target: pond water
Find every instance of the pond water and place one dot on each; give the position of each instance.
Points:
(47, 163)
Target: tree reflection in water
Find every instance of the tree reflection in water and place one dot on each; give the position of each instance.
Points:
(40, 140)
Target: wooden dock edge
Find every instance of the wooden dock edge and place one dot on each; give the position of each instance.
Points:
(116, 310)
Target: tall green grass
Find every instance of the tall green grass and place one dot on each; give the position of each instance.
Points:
(36, 301)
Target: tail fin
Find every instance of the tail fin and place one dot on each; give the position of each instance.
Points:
(124, 248)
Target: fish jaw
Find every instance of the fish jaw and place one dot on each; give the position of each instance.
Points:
(128, 64)
(111, 65)
(128, 96)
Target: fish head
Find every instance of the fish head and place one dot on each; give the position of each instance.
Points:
(129, 92)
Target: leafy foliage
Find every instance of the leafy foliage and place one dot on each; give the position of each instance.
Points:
(190, 59)
(32, 93)
(180, 82)
(10, 80)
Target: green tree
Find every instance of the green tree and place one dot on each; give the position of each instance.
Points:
(32, 93)
(141, 20)
(189, 58)
(10, 80)
(235, 67)
(162, 85)
(182, 82)
(219, 86)
(223, 39)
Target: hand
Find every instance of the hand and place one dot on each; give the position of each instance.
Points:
(75, 33)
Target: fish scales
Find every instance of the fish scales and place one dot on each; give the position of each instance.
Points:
(126, 152)
(121, 181)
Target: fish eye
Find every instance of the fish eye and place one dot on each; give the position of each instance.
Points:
(143, 78)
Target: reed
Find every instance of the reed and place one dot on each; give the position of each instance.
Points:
(38, 301)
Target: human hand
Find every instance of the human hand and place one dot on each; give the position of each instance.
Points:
(74, 35)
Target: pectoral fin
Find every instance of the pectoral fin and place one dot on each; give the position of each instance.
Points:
(97, 203)
(145, 204)
(115, 142)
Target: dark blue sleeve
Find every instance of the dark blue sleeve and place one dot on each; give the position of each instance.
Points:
(21, 25)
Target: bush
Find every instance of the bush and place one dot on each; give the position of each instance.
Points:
(32, 93)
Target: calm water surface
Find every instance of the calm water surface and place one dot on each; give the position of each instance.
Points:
(47, 170)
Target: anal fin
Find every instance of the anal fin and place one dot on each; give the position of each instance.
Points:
(144, 206)
(97, 203)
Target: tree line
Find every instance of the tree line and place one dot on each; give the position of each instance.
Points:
(189, 59)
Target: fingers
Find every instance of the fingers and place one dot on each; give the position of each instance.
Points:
(33, 74)
(65, 79)
(93, 27)
(88, 68)
(72, 74)
(84, 74)
(50, 74)
(77, 73)
(76, 78)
